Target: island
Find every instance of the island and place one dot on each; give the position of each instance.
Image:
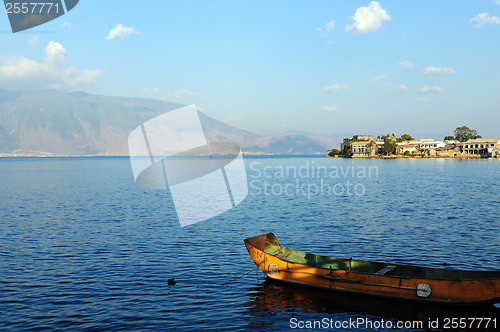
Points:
(466, 143)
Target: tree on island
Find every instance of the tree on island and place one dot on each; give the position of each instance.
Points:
(405, 137)
(333, 152)
(464, 133)
(389, 145)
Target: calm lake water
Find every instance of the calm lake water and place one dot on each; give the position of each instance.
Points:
(83, 248)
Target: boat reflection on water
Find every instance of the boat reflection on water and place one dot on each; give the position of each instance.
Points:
(275, 306)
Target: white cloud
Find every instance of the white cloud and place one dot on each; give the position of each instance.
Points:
(153, 91)
(422, 99)
(367, 19)
(75, 77)
(19, 67)
(438, 71)
(400, 87)
(334, 88)
(169, 95)
(497, 2)
(377, 78)
(120, 32)
(329, 26)
(34, 40)
(484, 19)
(406, 64)
(66, 25)
(330, 108)
(427, 89)
(327, 29)
(181, 93)
(55, 54)
(19, 72)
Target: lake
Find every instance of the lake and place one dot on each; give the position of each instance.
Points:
(82, 247)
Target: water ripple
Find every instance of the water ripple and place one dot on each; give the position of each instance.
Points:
(83, 248)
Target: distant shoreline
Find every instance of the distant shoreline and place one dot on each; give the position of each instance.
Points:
(246, 154)
(250, 154)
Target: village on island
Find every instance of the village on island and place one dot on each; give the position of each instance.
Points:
(466, 143)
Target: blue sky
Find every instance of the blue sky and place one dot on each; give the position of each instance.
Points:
(417, 67)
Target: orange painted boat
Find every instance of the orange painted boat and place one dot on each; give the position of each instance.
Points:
(416, 283)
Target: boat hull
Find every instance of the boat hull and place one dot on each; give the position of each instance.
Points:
(274, 261)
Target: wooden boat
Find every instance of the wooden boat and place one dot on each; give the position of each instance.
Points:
(373, 278)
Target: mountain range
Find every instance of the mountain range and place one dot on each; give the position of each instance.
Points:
(50, 122)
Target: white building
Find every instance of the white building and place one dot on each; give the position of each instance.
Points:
(485, 147)
(367, 148)
(419, 144)
(430, 143)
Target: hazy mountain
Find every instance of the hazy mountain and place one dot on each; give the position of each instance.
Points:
(216, 130)
(286, 143)
(55, 122)
(78, 123)
(329, 141)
